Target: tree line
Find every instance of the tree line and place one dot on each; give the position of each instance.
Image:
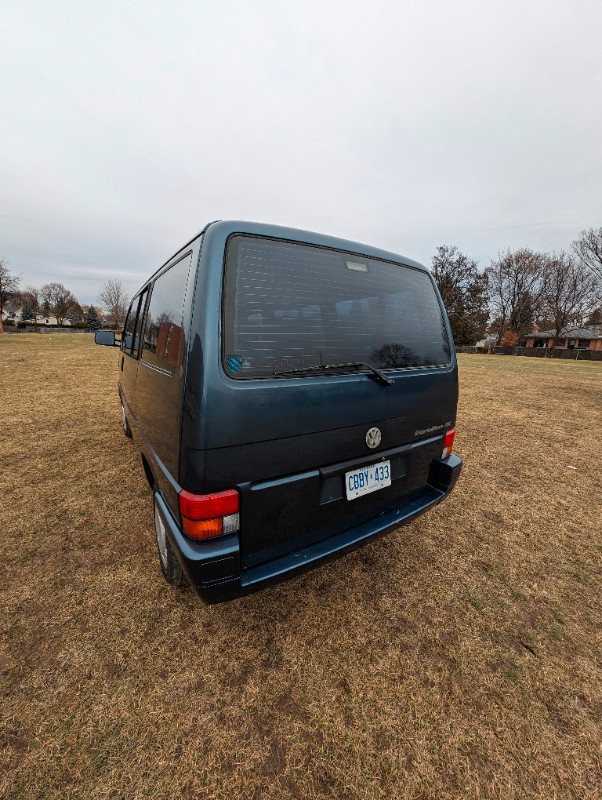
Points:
(521, 289)
(56, 300)
(518, 290)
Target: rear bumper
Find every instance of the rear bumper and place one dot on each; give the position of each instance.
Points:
(214, 567)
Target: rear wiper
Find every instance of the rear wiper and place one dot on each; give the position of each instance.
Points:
(324, 368)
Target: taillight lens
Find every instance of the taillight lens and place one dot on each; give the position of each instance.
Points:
(448, 443)
(205, 516)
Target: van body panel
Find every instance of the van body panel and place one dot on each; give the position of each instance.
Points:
(254, 411)
(153, 387)
(159, 477)
(160, 381)
(208, 469)
(304, 558)
(158, 404)
(295, 511)
(285, 443)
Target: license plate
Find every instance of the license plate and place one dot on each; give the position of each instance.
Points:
(367, 479)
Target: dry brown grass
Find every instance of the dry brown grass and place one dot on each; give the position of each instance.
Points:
(458, 658)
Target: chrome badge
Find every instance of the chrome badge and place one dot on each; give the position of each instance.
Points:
(373, 437)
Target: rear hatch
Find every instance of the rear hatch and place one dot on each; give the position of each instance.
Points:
(330, 361)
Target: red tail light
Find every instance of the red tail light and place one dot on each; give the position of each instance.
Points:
(448, 443)
(208, 506)
(205, 516)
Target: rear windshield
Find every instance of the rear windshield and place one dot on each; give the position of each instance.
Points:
(294, 306)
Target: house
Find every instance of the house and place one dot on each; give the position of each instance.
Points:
(489, 341)
(573, 337)
(12, 314)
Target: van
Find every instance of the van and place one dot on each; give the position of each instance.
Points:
(292, 396)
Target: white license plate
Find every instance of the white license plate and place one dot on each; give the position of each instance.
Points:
(367, 479)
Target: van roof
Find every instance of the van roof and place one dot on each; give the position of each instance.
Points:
(229, 227)
(301, 235)
(310, 237)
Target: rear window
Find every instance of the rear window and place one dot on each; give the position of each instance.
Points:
(295, 306)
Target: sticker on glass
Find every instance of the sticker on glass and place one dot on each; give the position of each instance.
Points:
(234, 364)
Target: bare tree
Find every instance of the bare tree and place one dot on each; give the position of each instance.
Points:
(57, 299)
(30, 298)
(588, 249)
(569, 291)
(115, 300)
(9, 285)
(516, 290)
(463, 290)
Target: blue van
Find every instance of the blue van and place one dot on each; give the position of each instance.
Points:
(292, 396)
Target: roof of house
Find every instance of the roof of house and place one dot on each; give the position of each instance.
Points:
(571, 332)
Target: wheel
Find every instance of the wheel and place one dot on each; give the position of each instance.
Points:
(124, 421)
(170, 566)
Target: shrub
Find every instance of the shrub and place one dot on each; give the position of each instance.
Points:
(509, 339)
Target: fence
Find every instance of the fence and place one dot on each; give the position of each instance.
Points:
(537, 352)
(44, 329)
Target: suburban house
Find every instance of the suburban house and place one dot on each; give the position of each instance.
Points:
(573, 337)
(489, 341)
(12, 312)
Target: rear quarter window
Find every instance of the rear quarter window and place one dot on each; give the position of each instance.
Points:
(164, 343)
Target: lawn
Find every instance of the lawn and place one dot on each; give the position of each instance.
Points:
(458, 658)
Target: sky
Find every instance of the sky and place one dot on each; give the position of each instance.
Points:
(127, 126)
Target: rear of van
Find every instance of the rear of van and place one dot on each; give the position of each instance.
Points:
(318, 405)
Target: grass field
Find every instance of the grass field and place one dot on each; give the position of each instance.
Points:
(457, 658)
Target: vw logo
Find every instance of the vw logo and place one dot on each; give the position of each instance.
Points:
(373, 437)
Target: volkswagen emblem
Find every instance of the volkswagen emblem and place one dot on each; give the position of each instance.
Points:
(373, 438)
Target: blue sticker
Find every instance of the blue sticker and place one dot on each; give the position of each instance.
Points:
(234, 363)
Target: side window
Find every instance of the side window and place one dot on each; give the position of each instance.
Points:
(130, 342)
(130, 325)
(164, 345)
(139, 321)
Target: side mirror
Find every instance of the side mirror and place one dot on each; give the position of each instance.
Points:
(105, 337)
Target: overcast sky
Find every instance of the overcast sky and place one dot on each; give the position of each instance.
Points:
(126, 126)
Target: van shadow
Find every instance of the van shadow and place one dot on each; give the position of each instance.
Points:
(358, 601)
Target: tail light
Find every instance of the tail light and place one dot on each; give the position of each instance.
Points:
(205, 516)
(448, 443)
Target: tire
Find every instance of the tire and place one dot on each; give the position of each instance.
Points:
(124, 421)
(170, 566)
